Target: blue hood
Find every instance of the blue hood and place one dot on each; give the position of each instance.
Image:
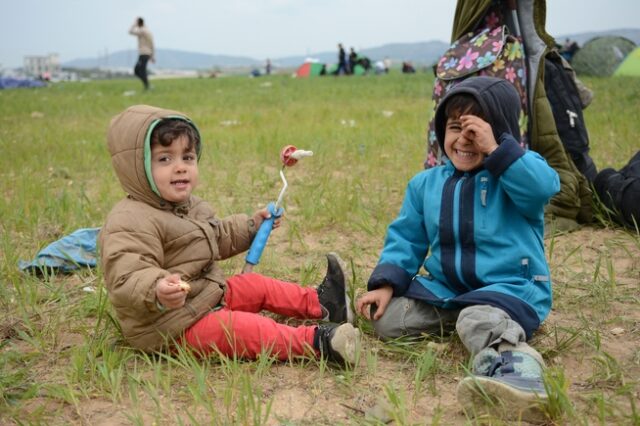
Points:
(498, 99)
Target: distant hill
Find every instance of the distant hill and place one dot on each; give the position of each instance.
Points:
(420, 53)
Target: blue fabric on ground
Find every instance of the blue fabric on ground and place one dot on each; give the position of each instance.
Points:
(70, 253)
(12, 83)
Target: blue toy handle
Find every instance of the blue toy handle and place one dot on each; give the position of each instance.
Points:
(260, 240)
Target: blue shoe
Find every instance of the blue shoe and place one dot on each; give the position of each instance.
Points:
(507, 385)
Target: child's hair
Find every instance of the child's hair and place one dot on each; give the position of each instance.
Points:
(461, 104)
(170, 129)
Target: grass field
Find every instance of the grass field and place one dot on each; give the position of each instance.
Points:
(62, 360)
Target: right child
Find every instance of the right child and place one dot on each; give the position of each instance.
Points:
(476, 226)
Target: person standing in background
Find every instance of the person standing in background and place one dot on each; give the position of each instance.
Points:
(353, 60)
(146, 50)
(342, 61)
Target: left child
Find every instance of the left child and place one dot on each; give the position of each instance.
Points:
(160, 248)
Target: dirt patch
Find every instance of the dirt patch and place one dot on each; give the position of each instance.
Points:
(592, 335)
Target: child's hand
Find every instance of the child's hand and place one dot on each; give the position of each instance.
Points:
(479, 132)
(261, 215)
(169, 293)
(379, 297)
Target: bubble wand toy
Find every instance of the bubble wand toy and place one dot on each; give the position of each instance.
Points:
(289, 156)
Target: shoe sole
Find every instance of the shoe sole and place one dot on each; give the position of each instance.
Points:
(480, 395)
(346, 342)
(343, 267)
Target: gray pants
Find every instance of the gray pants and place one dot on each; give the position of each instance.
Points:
(479, 326)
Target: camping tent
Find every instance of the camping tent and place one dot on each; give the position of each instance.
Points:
(309, 69)
(631, 64)
(600, 56)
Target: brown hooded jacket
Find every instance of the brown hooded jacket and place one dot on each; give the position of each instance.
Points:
(146, 238)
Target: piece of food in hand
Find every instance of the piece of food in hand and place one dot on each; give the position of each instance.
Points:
(184, 286)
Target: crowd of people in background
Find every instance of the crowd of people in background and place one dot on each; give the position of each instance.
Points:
(347, 64)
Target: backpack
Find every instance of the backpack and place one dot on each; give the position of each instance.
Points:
(566, 105)
(491, 50)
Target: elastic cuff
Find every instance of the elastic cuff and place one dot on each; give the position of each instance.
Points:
(508, 151)
(388, 274)
(160, 306)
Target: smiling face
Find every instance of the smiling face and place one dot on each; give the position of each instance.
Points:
(175, 169)
(461, 150)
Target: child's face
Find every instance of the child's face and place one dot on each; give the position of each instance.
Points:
(461, 150)
(175, 169)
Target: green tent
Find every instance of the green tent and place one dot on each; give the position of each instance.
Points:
(310, 69)
(601, 56)
(631, 65)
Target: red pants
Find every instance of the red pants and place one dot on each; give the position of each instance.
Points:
(238, 329)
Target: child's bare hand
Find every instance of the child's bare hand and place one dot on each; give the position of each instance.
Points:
(379, 297)
(479, 132)
(261, 215)
(169, 292)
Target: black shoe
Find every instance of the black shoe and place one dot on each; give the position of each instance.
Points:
(332, 293)
(338, 343)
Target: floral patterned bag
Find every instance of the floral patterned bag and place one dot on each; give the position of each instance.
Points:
(492, 51)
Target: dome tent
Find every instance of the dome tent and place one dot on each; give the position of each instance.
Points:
(600, 56)
(310, 69)
(631, 65)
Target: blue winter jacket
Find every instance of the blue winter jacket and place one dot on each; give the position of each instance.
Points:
(478, 235)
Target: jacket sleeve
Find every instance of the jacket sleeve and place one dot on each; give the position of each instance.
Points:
(131, 254)
(234, 234)
(524, 175)
(406, 243)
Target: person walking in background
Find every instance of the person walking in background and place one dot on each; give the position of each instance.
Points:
(267, 67)
(342, 61)
(146, 51)
(353, 60)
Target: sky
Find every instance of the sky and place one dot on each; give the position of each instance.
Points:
(258, 28)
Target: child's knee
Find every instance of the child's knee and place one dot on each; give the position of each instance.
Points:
(480, 326)
(389, 326)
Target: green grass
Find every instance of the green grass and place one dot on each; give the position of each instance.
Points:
(62, 360)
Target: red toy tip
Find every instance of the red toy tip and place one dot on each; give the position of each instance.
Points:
(285, 155)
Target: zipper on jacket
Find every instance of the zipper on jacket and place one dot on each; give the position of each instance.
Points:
(483, 190)
(524, 263)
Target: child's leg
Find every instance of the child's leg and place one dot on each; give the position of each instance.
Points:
(410, 317)
(504, 367)
(254, 292)
(247, 334)
(483, 326)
